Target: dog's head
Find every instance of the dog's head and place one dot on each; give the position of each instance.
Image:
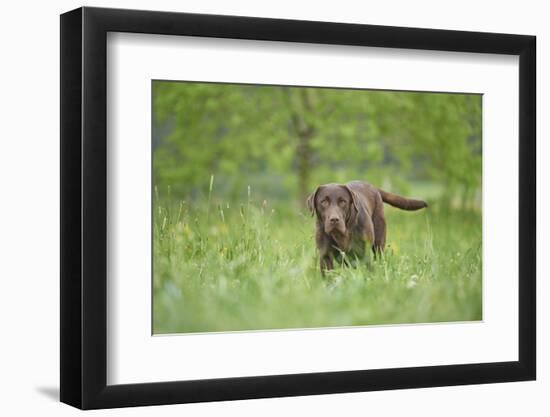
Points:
(336, 207)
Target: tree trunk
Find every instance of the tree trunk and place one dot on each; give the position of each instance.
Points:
(304, 151)
(303, 156)
(301, 107)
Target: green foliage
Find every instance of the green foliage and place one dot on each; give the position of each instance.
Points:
(222, 266)
(285, 140)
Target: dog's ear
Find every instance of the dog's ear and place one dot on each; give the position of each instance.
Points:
(311, 202)
(354, 207)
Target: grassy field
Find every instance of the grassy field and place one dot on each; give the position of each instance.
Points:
(250, 266)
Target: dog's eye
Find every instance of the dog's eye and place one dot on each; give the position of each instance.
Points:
(324, 203)
(342, 203)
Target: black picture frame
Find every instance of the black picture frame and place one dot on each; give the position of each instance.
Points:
(84, 207)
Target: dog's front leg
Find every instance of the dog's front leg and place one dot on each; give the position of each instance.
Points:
(325, 250)
(326, 262)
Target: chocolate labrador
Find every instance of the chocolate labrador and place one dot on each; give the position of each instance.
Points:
(350, 215)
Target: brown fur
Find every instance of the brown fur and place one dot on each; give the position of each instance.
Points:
(350, 216)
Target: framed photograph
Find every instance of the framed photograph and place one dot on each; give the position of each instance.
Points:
(257, 208)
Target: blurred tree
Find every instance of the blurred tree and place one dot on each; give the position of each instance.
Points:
(305, 136)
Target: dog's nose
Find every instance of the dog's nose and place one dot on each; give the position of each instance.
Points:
(334, 220)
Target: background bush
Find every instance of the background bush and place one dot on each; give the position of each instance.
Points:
(283, 141)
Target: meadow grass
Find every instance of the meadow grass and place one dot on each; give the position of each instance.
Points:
(249, 266)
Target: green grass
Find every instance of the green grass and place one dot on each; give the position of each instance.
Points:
(250, 266)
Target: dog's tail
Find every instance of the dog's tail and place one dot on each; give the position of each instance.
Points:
(402, 202)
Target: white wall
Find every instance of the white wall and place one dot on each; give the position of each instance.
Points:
(29, 300)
